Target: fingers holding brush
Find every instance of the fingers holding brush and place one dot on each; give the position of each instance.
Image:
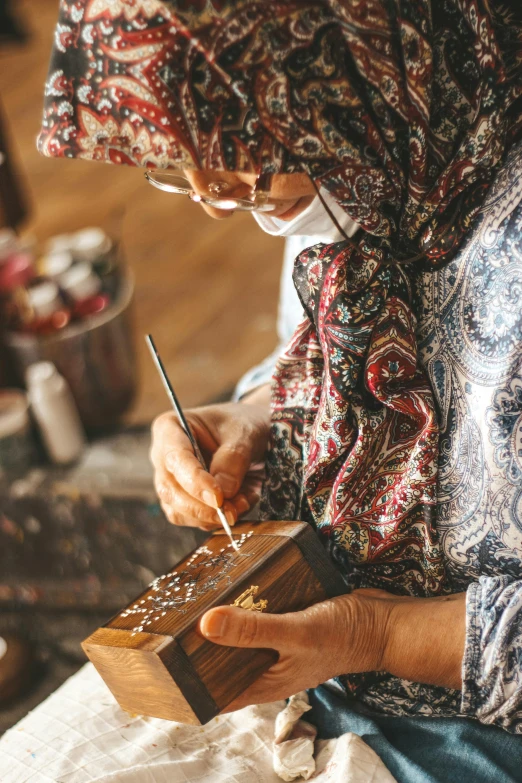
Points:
(232, 438)
(188, 494)
(180, 508)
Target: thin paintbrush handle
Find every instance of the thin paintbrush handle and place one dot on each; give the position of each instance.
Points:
(174, 400)
(184, 423)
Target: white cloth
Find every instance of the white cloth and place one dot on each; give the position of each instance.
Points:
(314, 221)
(80, 735)
(289, 315)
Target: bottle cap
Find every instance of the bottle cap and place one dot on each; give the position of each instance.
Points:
(44, 299)
(16, 271)
(41, 373)
(59, 243)
(90, 243)
(80, 282)
(14, 415)
(56, 263)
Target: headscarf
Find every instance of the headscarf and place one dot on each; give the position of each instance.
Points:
(402, 110)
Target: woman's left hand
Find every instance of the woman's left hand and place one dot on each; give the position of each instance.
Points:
(337, 636)
(419, 639)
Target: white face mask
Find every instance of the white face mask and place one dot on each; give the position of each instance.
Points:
(313, 221)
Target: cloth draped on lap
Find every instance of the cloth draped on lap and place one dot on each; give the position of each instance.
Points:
(423, 750)
(80, 735)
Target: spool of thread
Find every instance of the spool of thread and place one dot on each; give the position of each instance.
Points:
(16, 443)
(55, 412)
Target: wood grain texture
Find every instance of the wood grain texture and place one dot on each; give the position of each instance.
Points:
(288, 584)
(254, 552)
(136, 674)
(168, 669)
(310, 547)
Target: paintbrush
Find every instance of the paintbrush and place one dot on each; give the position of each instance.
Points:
(188, 432)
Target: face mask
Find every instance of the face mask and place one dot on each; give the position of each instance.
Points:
(313, 221)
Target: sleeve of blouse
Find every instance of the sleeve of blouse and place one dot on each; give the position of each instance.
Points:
(492, 665)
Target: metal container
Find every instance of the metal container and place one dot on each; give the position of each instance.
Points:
(95, 356)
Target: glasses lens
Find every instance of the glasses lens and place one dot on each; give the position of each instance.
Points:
(171, 183)
(239, 205)
(223, 203)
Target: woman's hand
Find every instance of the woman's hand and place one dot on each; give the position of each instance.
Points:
(419, 639)
(233, 438)
(337, 636)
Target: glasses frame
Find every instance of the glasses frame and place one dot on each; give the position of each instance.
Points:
(258, 202)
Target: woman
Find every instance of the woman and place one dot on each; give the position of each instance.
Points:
(395, 410)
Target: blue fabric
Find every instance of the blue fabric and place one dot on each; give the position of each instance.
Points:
(423, 750)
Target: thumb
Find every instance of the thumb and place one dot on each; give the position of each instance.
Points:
(235, 627)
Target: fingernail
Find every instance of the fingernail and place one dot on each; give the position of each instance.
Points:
(231, 517)
(214, 624)
(242, 504)
(209, 498)
(228, 483)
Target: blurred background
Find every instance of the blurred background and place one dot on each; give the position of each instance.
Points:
(91, 259)
(207, 290)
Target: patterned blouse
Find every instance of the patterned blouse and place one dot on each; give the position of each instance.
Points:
(470, 337)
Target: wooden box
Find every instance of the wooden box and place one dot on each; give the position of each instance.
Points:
(152, 656)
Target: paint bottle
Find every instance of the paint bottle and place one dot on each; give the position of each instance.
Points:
(16, 272)
(49, 313)
(8, 243)
(55, 412)
(55, 263)
(82, 288)
(93, 246)
(60, 243)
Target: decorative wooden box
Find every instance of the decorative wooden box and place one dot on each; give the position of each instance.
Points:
(152, 656)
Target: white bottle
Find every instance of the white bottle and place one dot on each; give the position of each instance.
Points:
(79, 282)
(60, 243)
(44, 299)
(55, 412)
(91, 244)
(55, 263)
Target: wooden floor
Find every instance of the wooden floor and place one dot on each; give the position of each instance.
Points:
(207, 290)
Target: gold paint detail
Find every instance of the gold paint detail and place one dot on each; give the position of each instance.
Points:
(246, 600)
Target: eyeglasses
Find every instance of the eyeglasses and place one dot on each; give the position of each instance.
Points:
(175, 183)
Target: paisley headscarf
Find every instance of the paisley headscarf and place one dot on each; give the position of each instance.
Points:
(402, 110)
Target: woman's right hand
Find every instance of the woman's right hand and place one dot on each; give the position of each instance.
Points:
(233, 438)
